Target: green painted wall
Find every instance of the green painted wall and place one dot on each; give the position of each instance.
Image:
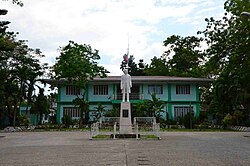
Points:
(169, 96)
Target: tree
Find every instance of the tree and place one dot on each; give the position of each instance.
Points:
(20, 67)
(158, 67)
(19, 70)
(114, 112)
(133, 68)
(150, 108)
(188, 120)
(99, 111)
(41, 105)
(5, 42)
(228, 53)
(78, 64)
(186, 55)
(18, 2)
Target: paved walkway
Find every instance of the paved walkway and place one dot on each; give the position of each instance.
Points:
(175, 148)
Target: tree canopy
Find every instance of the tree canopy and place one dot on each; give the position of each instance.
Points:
(229, 58)
(226, 58)
(78, 64)
(133, 68)
(20, 69)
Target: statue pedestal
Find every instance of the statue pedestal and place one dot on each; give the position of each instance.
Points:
(125, 118)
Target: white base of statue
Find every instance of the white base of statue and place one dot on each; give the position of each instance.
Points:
(125, 118)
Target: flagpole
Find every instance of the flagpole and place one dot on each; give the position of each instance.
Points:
(128, 49)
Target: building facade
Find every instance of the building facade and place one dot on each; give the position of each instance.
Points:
(180, 95)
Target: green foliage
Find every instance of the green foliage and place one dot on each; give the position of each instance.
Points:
(67, 120)
(78, 64)
(139, 109)
(20, 69)
(115, 112)
(99, 111)
(19, 72)
(228, 120)
(183, 57)
(238, 117)
(84, 111)
(204, 125)
(188, 120)
(158, 67)
(226, 59)
(23, 120)
(229, 59)
(41, 105)
(134, 69)
(150, 108)
(186, 56)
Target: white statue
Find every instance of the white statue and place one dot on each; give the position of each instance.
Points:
(126, 84)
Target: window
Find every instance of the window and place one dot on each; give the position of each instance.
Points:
(182, 89)
(100, 89)
(157, 89)
(73, 112)
(181, 111)
(72, 90)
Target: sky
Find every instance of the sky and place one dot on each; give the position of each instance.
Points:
(108, 25)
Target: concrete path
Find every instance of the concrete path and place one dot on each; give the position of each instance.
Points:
(175, 148)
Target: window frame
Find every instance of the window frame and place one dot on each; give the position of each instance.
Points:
(183, 110)
(72, 90)
(100, 90)
(73, 112)
(183, 89)
(154, 88)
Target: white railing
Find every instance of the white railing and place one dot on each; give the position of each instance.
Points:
(241, 128)
(156, 130)
(110, 119)
(94, 130)
(144, 120)
(132, 96)
(110, 128)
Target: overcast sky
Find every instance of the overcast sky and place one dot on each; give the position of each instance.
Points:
(106, 25)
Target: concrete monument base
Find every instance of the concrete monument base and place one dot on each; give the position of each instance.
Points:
(125, 118)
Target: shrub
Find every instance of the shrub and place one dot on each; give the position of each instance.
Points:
(23, 120)
(204, 125)
(67, 120)
(188, 120)
(228, 120)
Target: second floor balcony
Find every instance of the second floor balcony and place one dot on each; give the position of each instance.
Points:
(132, 96)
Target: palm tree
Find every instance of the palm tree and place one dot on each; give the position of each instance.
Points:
(154, 107)
(100, 110)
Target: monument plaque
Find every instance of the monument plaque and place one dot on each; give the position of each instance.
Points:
(125, 113)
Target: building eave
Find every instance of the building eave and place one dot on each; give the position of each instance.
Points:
(138, 80)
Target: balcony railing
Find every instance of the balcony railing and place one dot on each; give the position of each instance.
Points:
(132, 96)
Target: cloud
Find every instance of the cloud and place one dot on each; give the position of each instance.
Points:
(105, 25)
